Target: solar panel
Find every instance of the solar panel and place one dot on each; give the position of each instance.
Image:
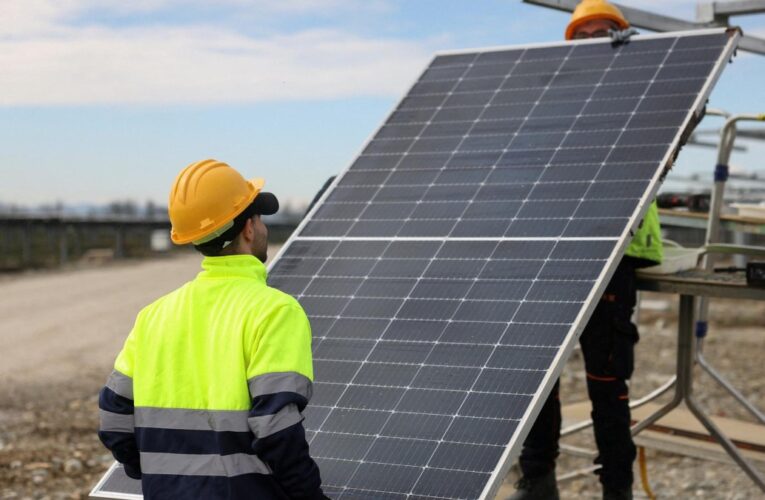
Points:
(117, 485)
(449, 270)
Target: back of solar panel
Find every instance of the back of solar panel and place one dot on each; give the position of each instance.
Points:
(449, 270)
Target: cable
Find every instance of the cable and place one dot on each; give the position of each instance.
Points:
(644, 474)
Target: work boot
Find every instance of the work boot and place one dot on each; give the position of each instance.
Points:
(537, 488)
(625, 494)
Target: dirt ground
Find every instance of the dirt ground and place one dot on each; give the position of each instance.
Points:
(59, 334)
(60, 331)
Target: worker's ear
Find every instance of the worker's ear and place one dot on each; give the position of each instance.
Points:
(248, 233)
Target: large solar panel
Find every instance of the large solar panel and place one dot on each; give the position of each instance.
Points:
(449, 270)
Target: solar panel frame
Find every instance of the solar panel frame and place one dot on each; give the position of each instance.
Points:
(578, 324)
(114, 474)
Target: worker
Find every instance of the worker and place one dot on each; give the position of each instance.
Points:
(608, 339)
(206, 396)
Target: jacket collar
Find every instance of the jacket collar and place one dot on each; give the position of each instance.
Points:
(233, 266)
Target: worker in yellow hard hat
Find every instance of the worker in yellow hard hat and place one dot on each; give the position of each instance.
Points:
(607, 341)
(206, 396)
(595, 18)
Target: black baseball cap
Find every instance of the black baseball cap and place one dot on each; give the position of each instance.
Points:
(264, 204)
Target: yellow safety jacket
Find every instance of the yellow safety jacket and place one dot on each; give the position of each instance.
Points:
(646, 244)
(207, 383)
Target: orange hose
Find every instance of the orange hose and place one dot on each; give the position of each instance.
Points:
(644, 474)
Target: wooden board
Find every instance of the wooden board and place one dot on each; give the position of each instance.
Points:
(680, 432)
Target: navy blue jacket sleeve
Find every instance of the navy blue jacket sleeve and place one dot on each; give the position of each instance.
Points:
(286, 450)
(116, 430)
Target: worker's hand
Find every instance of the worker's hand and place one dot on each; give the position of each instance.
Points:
(622, 36)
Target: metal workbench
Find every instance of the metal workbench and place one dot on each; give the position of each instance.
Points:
(700, 220)
(689, 285)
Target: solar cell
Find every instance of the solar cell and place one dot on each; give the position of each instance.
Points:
(448, 272)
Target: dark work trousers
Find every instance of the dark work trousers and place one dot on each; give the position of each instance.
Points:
(608, 345)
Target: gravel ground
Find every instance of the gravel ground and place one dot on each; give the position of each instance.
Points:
(48, 417)
(59, 334)
(48, 445)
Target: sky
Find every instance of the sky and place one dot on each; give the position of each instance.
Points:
(104, 100)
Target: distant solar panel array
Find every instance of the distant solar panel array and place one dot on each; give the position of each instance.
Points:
(449, 270)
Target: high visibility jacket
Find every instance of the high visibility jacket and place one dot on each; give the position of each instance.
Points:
(646, 244)
(206, 396)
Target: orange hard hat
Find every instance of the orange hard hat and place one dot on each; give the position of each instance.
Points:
(589, 10)
(206, 196)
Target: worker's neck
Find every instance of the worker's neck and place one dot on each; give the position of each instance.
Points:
(241, 249)
(235, 251)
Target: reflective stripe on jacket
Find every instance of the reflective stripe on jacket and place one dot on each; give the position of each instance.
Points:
(646, 244)
(209, 388)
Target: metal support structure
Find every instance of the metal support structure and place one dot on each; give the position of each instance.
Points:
(727, 139)
(741, 239)
(684, 392)
(580, 472)
(119, 241)
(4, 240)
(745, 133)
(704, 364)
(26, 244)
(686, 356)
(719, 12)
(657, 22)
(63, 245)
(77, 241)
(684, 365)
(579, 426)
(578, 451)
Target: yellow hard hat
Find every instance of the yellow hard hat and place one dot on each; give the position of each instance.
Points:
(206, 196)
(589, 10)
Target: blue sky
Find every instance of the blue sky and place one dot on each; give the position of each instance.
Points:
(104, 100)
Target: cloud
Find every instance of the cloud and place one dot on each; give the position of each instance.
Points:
(49, 59)
(26, 14)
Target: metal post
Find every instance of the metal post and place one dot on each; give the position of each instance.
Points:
(684, 391)
(742, 239)
(26, 244)
(727, 138)
(684, 364)
(728, 387)
(685, 385)
(77, 242)
(4, 245)
(726, 443)
(119, 241)
(63, 250)
(685, 344)
(719, 12)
